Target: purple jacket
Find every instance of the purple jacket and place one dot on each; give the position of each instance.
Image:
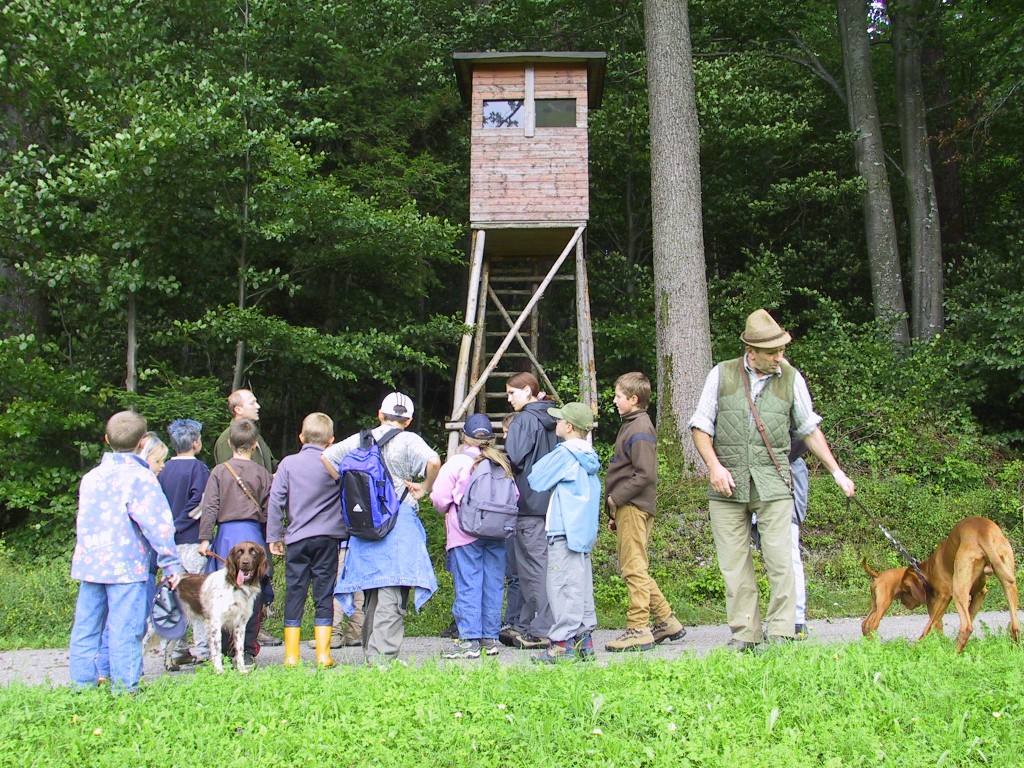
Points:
(304, 493)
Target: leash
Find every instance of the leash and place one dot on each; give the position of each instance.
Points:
(211, 553)
(892, 540)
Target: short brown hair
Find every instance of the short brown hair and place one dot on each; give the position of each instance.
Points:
(124, 431)
(243, 433)
(317, 429)
(635, 384)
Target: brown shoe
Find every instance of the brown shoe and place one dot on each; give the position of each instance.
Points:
(336, 642)
(671, 629)
(632, 640)
(530, 642)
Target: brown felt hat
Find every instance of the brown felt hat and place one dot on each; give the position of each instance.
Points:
(763, 332)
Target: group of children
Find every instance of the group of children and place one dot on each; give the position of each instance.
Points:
(130, 522)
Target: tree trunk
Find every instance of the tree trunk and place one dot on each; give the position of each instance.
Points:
(876, 199)
(926, 311)
(131, 377)
(680, 283)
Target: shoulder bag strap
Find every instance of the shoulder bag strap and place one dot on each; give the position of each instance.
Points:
(243, 486)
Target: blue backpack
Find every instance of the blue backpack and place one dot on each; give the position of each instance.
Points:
(489, 506)
(369, 504)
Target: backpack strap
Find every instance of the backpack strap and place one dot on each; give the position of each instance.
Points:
(384, 440)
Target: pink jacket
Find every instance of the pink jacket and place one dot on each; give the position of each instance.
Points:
(449, 487)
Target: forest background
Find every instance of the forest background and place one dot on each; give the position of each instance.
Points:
(201, 195)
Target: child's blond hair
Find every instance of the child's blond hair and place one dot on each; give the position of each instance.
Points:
(635, 384)
(317, 429)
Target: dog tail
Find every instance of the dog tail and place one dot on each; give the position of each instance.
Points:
(867, 568)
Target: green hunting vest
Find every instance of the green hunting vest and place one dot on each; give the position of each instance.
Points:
(738, 445)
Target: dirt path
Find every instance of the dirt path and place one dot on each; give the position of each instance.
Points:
(50, 667)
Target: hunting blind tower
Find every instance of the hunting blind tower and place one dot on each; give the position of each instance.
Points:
(529, 203)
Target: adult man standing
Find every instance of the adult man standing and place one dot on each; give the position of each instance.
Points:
(243, 405)
(741, 429)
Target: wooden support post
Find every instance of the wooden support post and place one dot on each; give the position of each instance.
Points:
(585, 332)
(461, 409)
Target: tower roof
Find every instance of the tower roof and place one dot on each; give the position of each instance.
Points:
(594, 60)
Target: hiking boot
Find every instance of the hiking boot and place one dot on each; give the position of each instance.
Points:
(489, 646)
(451, 631)
(267, 639)
(670, 629)
(801, 631)
(556, 652)
(741, 646)
(529, 642)
(462, 649)
(632, 639)
(178, 660)
(583, 646)
(507, 635)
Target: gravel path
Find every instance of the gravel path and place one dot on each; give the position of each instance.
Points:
(50, 667)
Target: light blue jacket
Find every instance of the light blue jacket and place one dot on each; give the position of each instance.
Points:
(571, 470)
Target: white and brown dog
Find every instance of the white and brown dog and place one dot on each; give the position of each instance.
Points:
(225, 598)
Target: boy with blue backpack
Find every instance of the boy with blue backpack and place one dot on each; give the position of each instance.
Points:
(387, 557)
(476, 492)
(570, 472)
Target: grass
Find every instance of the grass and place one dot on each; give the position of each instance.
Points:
(878, 704)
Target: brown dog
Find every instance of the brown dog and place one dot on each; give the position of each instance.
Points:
(955, 571)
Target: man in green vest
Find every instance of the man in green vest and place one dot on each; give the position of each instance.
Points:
(741, 429)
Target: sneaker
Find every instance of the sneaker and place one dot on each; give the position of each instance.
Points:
(462, 649)
(451, 631)
(801, 631)
(250, 660)
(632, 640)
(556, 652)
(489, 646)
(507, 635)
(529, 642)
(349, 642)
(671, 629)
(583, 646)
(267, 639)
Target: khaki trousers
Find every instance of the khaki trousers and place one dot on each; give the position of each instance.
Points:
(633, 531)
(354, 629)
(730, 525)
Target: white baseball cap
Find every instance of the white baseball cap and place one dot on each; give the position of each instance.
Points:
(397, 405)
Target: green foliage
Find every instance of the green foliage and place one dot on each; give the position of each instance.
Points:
(37, 600)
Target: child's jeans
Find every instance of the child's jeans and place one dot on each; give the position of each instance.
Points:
(478, 570)
(122, 609)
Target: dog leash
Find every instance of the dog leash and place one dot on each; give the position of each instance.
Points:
(892, 540)
(211, 553)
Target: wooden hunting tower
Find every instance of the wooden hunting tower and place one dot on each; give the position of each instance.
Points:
(528, 209)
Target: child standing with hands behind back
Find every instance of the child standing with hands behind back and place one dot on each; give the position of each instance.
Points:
(570, 472)
(631, 486)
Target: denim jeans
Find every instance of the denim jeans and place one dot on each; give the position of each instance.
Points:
(122, 609)
(478, 570)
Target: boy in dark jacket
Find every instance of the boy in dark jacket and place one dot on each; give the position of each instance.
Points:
(631, 487)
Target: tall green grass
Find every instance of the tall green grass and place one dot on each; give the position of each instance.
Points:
(878, 704)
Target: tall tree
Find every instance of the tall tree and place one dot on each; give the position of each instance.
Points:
(680, 286)
(908, 32)
(869, 153)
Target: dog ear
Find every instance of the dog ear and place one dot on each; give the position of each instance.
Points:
(913, 588)
(231, 565)
(263, 567)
